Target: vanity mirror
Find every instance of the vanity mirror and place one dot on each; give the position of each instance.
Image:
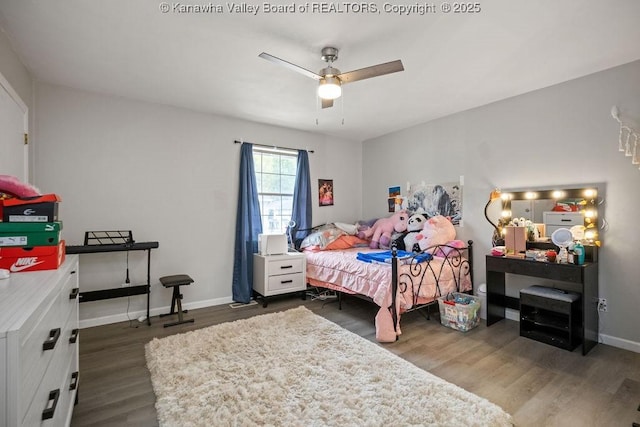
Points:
(549, 209)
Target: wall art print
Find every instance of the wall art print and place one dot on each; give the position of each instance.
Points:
(325, 192)
(395, 199)
(436, 199)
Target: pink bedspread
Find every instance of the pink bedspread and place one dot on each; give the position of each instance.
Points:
(340, 270)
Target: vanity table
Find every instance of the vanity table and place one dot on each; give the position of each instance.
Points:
(580, 279)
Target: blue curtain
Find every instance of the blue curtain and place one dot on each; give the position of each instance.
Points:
(301, 214)
(248, 226)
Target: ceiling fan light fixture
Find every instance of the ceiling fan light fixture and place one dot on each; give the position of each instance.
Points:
(329, 88)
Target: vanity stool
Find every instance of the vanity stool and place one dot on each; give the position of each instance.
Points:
(552, 316)
(175, 282)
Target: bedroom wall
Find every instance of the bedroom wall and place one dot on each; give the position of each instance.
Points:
(561, 135)
(170, 175)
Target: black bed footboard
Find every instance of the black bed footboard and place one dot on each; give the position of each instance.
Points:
(445, 261)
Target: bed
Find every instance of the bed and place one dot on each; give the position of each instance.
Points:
(396, 281)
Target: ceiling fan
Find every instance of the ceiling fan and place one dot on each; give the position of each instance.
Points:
(331, 79)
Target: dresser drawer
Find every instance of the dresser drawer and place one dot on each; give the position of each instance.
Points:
(52, 325)
(286, 283)
(58, 382)
(285, 266)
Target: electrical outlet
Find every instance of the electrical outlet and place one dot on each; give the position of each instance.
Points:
(602, 304)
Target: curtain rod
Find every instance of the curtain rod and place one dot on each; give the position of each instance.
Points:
(271, 146)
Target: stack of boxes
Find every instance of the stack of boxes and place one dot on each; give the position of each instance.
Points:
(30, 234)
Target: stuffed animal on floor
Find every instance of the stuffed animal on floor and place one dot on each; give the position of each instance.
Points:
(407, 241)
(13, 186)
(380, 232)
(438, 230)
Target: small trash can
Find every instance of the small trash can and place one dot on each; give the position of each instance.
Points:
(481, 293)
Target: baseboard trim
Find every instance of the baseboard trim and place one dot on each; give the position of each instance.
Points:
(134, 315)
(620, 343)
(123, 317)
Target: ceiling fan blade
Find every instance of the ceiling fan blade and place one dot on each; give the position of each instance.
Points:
(373, 71)
(290, 66)
(327, 103)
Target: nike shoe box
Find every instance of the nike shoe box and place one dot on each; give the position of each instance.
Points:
(29, 234)
(18, 260)
(32, 209)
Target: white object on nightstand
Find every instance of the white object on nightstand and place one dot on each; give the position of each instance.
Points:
(39, 346)
(279, 274)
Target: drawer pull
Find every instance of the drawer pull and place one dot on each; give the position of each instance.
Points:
(50, 343)
(74, 381)
(74, 293)
(74, 336)
(50, 410)
(286, 281)
(565, 220)
(282, 267)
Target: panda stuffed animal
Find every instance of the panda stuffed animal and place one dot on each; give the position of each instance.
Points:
(408, 241)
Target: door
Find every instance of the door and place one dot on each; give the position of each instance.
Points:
(13, 128)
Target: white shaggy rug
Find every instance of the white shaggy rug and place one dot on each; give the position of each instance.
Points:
(295, 368)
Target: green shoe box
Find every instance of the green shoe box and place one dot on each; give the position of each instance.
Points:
(29, 234)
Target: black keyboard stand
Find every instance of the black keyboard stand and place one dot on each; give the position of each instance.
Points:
(118, 292)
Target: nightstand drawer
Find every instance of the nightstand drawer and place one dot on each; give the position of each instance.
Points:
(286, 283)
(284, 266)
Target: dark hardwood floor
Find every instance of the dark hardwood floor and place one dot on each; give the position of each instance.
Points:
(538, 384)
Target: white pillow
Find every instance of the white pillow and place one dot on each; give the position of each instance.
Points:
(347, 228)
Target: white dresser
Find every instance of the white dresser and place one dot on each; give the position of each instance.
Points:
(39, 346)
(279, 274)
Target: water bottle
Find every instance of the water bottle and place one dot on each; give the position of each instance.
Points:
(578, 248)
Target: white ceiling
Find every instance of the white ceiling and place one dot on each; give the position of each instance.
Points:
(209, 61)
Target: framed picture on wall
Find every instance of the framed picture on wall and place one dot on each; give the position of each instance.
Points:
(325, 192)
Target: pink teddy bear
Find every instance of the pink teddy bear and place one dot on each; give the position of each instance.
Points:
(381, 231)
(438, 230)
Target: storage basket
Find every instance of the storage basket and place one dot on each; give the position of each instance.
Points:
(459, 311)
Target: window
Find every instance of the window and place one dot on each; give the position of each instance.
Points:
(276, 178)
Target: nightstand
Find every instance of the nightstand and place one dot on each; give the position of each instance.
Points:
(278, 275)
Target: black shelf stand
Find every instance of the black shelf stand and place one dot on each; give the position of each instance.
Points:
(115, 241)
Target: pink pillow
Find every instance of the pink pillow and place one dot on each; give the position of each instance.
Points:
(444, 250)
(346, 242)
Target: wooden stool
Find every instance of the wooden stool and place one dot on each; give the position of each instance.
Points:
(175, 282)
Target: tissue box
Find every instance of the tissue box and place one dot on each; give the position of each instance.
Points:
(515, 240)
